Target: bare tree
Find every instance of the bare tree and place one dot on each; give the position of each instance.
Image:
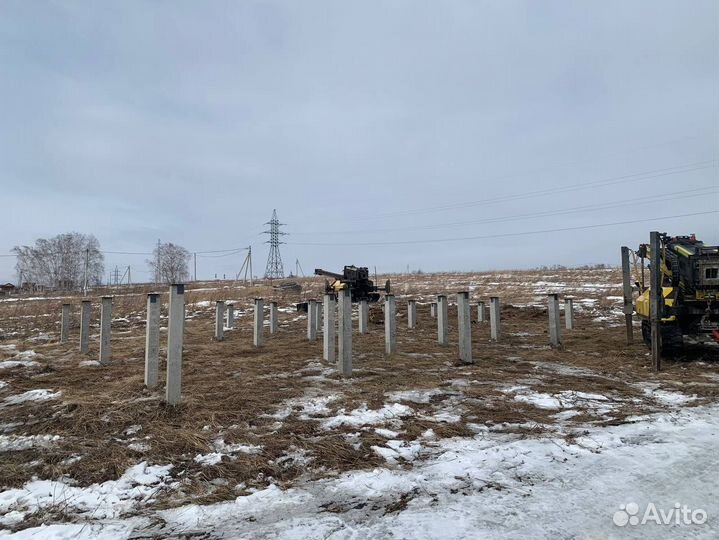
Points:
(60, 261)
(170, 263)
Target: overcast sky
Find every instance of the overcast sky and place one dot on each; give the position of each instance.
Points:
(387, 130)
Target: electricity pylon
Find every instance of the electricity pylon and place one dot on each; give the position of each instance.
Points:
(274, 260)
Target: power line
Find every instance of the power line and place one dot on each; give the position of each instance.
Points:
(634, 177)
(126, 253)
(678, 169)
(206, 253)
(500, 235)
(605, 206)
(234, 252)
(684, 194)
(229, 249)
(575, 187)
(626, 150)
(199, 252)
(501, 177)
(227, 252)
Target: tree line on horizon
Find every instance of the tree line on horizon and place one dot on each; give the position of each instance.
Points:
(71, 261)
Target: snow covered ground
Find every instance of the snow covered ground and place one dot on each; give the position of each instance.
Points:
(496, 486)
(493, 485)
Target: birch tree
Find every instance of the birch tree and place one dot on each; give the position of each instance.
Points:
(170, 263)
(59, 262)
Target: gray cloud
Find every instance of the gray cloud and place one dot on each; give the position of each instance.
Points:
(191, 122)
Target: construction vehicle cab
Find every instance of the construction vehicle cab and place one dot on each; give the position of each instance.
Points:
(690, 291)
(357, 280)
(353, 277)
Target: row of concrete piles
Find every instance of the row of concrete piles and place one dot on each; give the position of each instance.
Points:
(175, 333)
(105, 323)
(224, 320)
(439, 309)
(333, 314)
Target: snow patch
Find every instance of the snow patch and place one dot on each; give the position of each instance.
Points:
(40, 394)
(21, 359)
(597, 404)
(26, 355)
(221, 448)
(108, 500)
(297, 457)
(88, 363)
(363, 416)
(386, 433)
(309, 407)
(665, 397)
(415, 396)
(539, 400)
(12, 443)
(396, 450)
(139, 447)
(213, 458)
(8, 364)
(444, 416)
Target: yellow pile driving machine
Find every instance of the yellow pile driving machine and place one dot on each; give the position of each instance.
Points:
(690, 289)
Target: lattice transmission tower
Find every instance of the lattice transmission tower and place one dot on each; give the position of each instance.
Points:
(274, 259)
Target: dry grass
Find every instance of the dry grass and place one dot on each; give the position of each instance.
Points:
(231, 390)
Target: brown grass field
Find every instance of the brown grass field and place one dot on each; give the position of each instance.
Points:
(278, 398)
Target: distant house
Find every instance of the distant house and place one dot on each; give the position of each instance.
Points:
(7, 289)
(29, 286)
(65, 284)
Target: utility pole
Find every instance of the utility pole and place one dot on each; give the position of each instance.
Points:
(246, 266)
(249, 258)
(195, 255)
(129, 276)
(157, 263)
(122, 279)
(627, 293)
